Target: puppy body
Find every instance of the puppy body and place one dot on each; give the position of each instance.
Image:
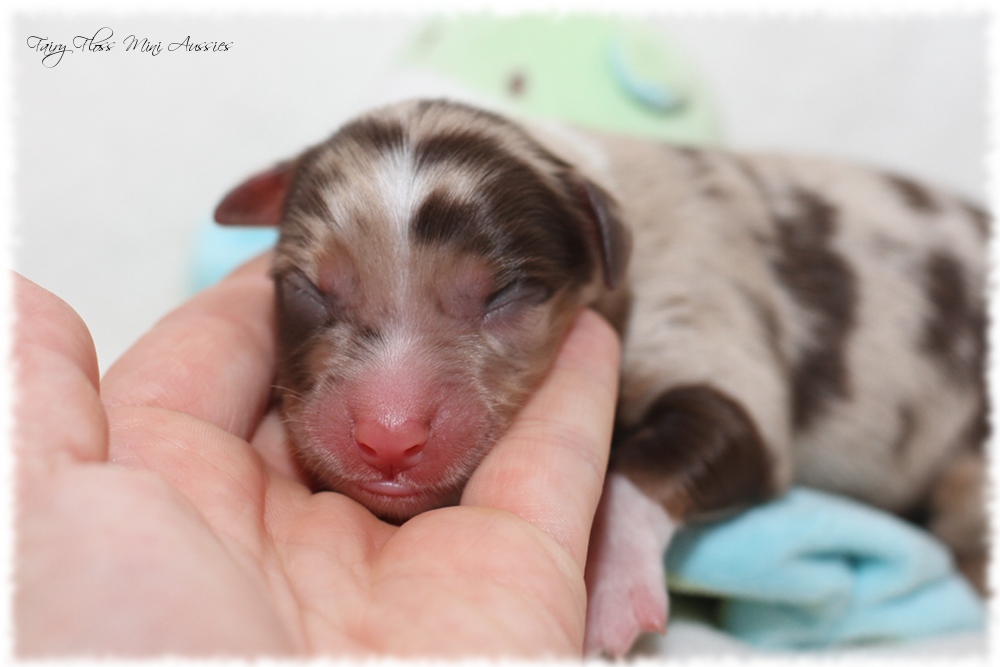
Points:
(840, 307)
(794, 320)
(783, 320)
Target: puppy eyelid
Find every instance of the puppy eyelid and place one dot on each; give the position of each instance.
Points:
(301, 310)
(321, 305)
(526, 292)
(299, 282)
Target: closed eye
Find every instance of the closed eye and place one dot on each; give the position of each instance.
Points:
(296, 283)
(301, 307)
(521, 293)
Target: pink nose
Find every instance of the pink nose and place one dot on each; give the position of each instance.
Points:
(397, 446)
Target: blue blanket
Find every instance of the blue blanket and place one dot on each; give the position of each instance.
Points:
(218, 250)
(813, 570)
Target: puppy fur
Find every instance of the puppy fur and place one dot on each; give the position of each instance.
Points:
(785, 320)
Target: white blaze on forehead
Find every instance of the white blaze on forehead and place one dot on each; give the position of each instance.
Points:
(401, 189)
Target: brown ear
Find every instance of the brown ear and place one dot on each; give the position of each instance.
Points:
(614, 238)
(258, 201)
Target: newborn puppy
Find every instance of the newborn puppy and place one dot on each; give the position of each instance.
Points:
(784, 320)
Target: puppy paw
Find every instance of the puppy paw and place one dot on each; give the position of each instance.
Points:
(617, 613)
(626, 581)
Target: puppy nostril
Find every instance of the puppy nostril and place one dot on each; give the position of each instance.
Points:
(399, 446)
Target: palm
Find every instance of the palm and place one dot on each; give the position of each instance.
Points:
(216, 540)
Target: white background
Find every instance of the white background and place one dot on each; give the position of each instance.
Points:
(119, 157)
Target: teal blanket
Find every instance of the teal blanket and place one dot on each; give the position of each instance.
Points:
(814, 570)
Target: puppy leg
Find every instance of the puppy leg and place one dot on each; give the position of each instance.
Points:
(958, 515)
(626, 589)
(696, 453)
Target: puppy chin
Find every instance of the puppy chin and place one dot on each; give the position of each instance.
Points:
(396, 503)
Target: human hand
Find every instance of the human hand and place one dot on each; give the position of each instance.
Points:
(163, 515)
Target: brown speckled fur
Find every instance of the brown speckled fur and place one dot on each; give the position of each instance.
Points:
(794, 320)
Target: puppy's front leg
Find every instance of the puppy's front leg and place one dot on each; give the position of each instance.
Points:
(696, 453)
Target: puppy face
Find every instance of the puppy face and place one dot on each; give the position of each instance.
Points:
(431, 258)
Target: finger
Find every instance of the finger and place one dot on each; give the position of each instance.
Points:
(212, 358)
(270, 441)
(549, 468)
(59, 416)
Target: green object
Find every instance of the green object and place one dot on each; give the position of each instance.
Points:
(599, 72)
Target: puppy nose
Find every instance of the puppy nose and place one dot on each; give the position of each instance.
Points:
(398, 446)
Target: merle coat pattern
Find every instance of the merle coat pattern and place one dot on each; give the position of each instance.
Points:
(785, 320)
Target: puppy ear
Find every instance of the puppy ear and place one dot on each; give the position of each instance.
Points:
(614, 240)
(258, 201)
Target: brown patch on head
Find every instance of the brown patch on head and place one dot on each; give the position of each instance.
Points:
(325, 168)
(698, 452)
(443, 218)
(333, 196)
(823, 283)
(914, 195)
(955, 329)
(528, 211)
(373, 134)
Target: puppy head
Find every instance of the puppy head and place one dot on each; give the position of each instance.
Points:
(431, 259)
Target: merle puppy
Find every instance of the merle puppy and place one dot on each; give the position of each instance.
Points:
(785, 320)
